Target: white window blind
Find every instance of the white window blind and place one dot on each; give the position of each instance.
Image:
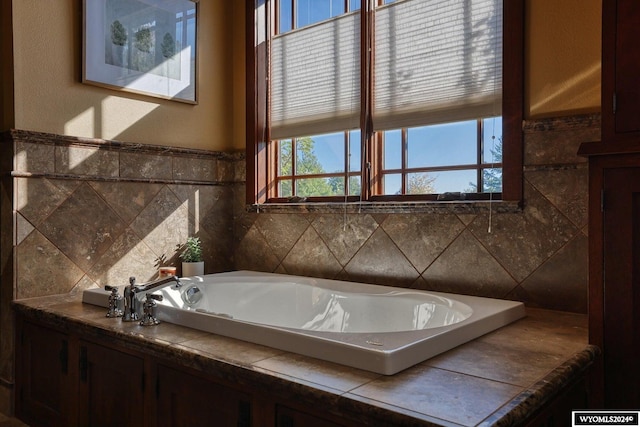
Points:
(315, 78)
(437, 61)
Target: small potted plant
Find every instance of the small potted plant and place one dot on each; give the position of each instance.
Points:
(191, 255)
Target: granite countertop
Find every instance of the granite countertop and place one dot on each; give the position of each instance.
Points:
(497, 379)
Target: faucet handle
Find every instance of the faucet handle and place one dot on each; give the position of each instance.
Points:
(149, 310)
(115, 302)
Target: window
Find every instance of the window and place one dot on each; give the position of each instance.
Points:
(397, 100)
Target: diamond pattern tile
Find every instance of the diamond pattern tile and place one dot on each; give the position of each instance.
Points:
(381, 262)
(421, 238)
(310, 256)
(344, 235)
(83, 227)
(467, 267)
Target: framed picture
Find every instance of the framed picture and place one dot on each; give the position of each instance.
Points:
(142, 46)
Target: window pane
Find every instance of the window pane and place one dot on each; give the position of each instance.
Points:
(392, 149)
(311, 11)
(285, 188)
(354, 5)
(421, 183)
(492, 146)
(442, 145)
(392, 184)
(285, 17)
(492, 180)
(354, 186)
(284, 157)
(354, 144)
(310, 187)
(454, 181)
(320, 154)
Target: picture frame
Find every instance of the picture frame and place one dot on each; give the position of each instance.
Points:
(147, 47)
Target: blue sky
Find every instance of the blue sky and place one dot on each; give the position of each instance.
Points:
(437, 145)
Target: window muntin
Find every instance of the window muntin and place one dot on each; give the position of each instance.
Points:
(436, 159)
(513, 101)
(319, 166)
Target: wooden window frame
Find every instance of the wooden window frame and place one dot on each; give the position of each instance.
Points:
(260, 176)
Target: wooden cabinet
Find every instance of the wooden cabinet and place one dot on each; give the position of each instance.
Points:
(43, 380)
(68, 378)
(614, 282)
(184, 398)
(287, 417)
(64, 381)
(614, 213)
(111, 387)
(614, 275)
(620, 68)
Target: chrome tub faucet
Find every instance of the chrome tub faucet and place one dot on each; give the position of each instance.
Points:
(131, 312)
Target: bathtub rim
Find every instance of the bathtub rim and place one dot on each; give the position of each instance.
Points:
(399, 351)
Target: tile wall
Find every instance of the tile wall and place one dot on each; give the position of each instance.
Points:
(537, 254)
(77, 213)
(91, 212)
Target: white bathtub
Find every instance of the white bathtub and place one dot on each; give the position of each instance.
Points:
(377, 328)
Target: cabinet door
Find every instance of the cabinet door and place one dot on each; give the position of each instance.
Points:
(287, 417)
(627, 66)
(620, 69)
(42, 376)
(188, 400)
(111, 389)
(621, 344)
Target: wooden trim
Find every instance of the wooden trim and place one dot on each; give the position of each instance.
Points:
(589, 149)
(256, 135)
(609, 11)
(595, 302)
(512, 107)
(513, 100)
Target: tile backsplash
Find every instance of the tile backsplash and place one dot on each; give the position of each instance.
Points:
(80, 212)
(537, 254)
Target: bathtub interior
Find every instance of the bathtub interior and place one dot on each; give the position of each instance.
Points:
(308, 306)
(377, 328)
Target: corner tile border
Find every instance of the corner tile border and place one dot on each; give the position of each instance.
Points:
(109, 160)
(561, 123)
(470, 207)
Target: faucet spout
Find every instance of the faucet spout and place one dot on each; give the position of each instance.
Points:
(157, 284)
(134, 293)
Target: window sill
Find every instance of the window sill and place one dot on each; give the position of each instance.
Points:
(440, 207)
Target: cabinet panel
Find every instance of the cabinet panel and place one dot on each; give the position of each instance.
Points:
(620, 68)
(111, 389)
(42, 376)
(621, 287)
(287, 417)
(627, 66)
(188, 400)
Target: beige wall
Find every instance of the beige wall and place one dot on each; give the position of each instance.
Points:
(562, 75)
(239, 76)
(563, 55)
(49, 96)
